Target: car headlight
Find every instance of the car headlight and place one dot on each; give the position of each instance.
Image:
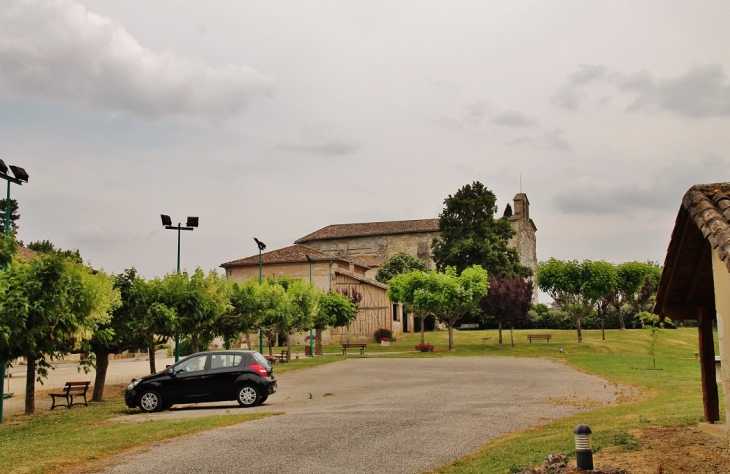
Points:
(133, 384)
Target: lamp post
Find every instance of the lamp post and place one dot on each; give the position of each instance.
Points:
(311, 331)
(262, 247)
(20, 177)
(190, 224)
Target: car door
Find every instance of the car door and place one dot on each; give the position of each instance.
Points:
(188, 382)
(224, 370)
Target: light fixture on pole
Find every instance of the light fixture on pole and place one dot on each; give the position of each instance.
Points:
(311, 331)
(20, 177)
(262, 247)
(190, 224)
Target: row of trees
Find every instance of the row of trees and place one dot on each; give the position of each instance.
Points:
(54, 305)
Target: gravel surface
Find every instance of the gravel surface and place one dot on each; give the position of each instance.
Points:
(378, 415)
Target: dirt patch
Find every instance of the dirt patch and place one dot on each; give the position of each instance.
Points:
(670, 450)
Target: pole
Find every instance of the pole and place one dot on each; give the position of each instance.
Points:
(5, 269)
(261, 331)
(177, 336)
(311, 331)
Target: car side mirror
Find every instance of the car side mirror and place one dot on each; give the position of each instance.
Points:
(170, 371)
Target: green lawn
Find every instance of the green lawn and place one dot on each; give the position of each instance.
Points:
(58, 440)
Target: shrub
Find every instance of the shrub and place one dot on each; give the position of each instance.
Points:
(424, 347)
(383, 333)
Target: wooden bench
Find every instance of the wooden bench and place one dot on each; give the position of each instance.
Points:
(547, 337)
(284, 357)
(71, 390)
(353, 346)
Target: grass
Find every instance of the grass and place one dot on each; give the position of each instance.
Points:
(58, 440)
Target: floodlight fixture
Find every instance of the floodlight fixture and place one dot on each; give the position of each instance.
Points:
(3, 167)
(262, 246)
(166, 221)
(192, 222)
(19, 173)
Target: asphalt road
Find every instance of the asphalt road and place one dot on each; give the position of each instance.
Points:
(377, 415)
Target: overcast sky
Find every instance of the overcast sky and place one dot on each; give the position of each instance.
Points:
(274, 119)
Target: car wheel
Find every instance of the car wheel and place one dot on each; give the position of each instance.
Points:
(248, 396)
(150, 401)
(263, 399)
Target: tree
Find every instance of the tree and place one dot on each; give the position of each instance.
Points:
(304, 302)
(54, 305)
(46, 246)
(470, 235)
(14, 216)
(405, 288)
(334, 310)
(198, 300)
(508, 301)
(397, 264)
(576, 286)
(602, 307)
(449, 296)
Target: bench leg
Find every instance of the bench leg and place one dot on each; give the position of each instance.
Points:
(362, 351)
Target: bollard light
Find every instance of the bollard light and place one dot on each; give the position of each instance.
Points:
(583, 448)
(561, 349)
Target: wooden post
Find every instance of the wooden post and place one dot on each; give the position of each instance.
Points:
(710, 398)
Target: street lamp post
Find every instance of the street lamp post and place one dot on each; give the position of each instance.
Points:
(190, 224)
(262, 247)
(311, 331)
(20, 177)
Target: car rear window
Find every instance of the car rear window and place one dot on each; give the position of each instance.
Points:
(260, 359)
(224, 361)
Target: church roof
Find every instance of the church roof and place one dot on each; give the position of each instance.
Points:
(292, 254)
(363, 229)
(709, 207)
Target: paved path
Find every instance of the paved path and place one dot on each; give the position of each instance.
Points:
(378, 415)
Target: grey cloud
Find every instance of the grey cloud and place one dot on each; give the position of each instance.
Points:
(568, 97)
(587, 73)
(450, 123)
(476, 111)
(331, 148)
(549, 141)
(512, 118)
(661, 190)
(60, 51)
(702, 92)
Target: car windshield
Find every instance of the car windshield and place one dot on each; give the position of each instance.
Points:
(260, 359)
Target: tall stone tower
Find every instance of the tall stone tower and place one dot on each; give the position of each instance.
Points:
(524, 240)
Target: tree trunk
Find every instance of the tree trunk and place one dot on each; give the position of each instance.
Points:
(248, 339)
(30, 386)
(269, 340)
(194, 342)
(621, 318)
(603, 328)
(102, 364)
(500, 332)
(512, 335)
(151, 354)
(318, 342)
(451, 337)
(423, 329)
(288, 345)
(580, 334)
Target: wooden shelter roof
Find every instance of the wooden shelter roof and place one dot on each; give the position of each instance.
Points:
(703, 224)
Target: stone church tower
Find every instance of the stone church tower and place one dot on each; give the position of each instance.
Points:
(524, 240)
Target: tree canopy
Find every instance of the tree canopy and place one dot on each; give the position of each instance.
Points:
(406, 288)
(46, 246)
(397, 264)
(14, 216)
(470, 235)
(508, 301)
(576, 286)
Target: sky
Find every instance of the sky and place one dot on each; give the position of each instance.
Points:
(274, 119)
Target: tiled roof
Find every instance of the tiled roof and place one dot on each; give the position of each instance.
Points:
(362, 279)
(709, 207)
(366, 260)
(339, 231)
(293, 254)
(26, 253)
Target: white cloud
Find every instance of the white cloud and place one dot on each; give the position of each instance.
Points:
(331, 147)
(58, 50)
(513, 118)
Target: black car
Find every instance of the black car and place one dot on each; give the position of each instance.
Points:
(244, 376)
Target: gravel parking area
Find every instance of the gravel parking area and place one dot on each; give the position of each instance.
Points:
(378, 415)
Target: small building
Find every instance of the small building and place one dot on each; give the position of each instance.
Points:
(328, 273)
(695, 282)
